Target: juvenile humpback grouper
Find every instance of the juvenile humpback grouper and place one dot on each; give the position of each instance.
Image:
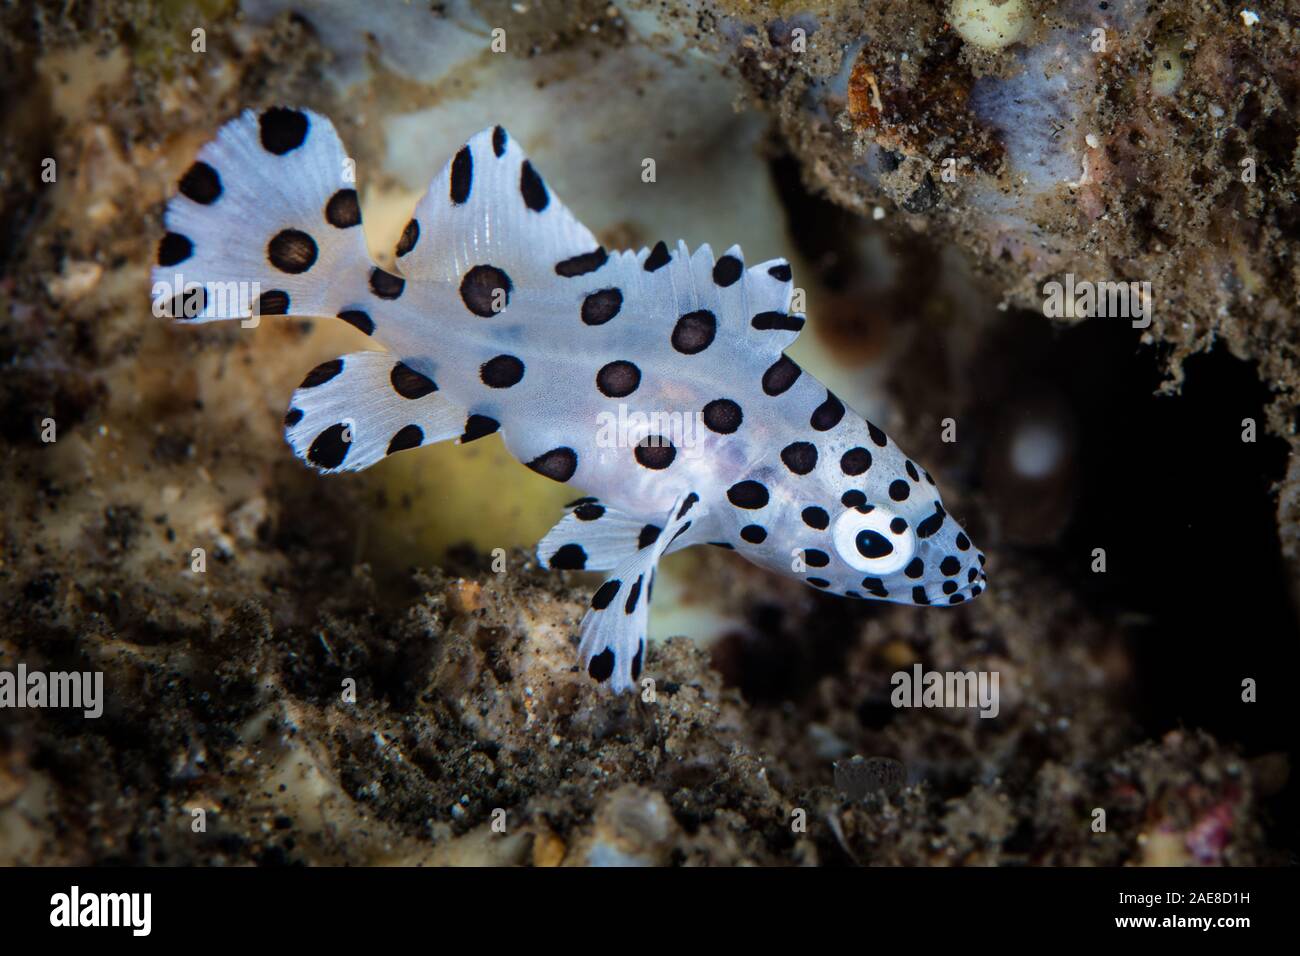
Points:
(506, 314)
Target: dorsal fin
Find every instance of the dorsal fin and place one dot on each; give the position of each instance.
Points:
(753, 304)
(489, 207)
(491, 228)
(699, 299)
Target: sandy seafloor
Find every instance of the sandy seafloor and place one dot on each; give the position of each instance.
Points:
(1121, 690)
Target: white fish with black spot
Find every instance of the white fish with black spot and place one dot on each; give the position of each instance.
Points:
(509, 316)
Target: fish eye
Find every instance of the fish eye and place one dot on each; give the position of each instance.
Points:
(877, 542)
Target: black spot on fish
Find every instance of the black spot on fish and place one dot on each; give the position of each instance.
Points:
(581, 265)
(503, 371)
(483, 288)
(410, 236)
(618, 379)
(282, 130)
(748, 494)
(855, 461)
(292, 251)
(779, 378)
(599, 307)
(201, 183)
(658, 257)
(815, 517)
(776, 321)
(343, 211)
(330, 447)
(828, 414)
(633, 596)
(932, 524)
(462, 176)
(558, 464)
(727, 270)
(800, 457)
(358, 320)
(655, 452)
(410, 436)
(602, 665)
(385, 284)
(274, 302)
(322, 373)
(605, 594)
(571, 557)
(723, 416)
(532, 188)
(875, 587)
(174, 249)
(478, 426)
(409, 383)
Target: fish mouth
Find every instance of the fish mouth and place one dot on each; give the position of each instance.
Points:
(974, 589)
(967, 592)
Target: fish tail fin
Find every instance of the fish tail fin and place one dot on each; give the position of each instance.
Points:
(266, 221)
